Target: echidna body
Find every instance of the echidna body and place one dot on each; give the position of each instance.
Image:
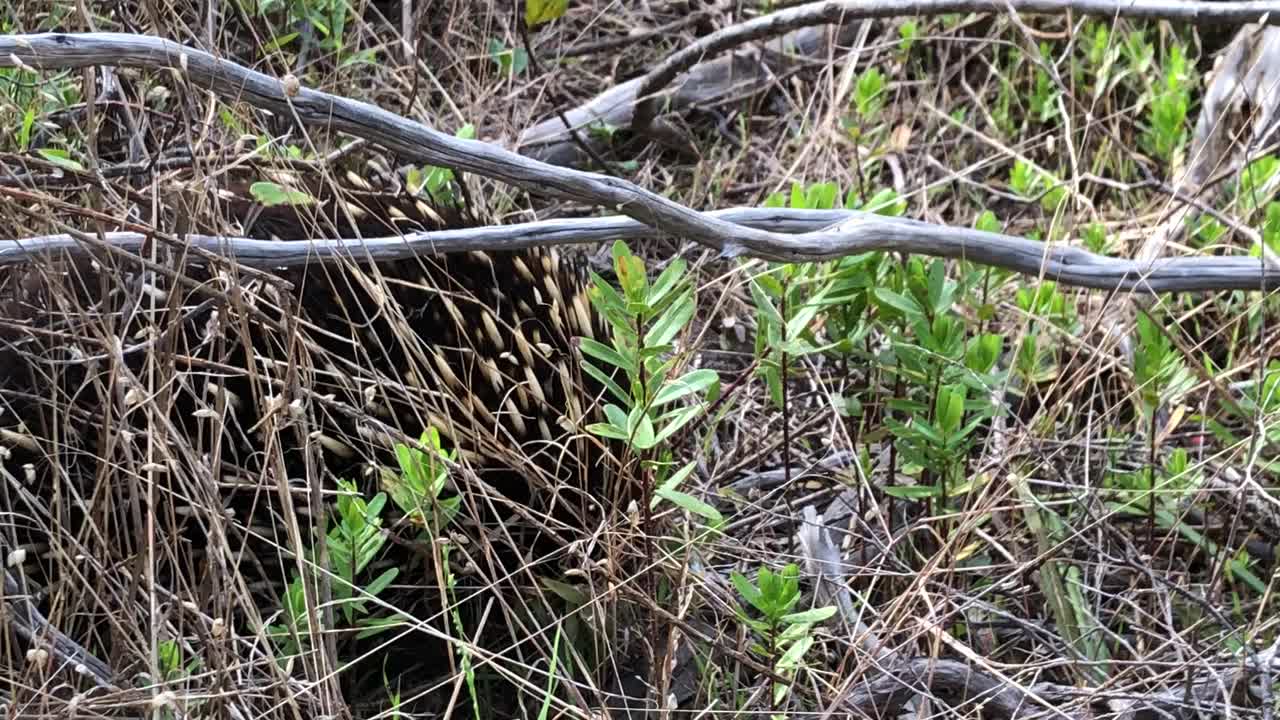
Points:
(270, 392)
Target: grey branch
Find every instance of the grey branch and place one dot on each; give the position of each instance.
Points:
(32, 626)
(856, 234)
(738, 75)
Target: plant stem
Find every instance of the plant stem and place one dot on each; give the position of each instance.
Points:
(782, 380)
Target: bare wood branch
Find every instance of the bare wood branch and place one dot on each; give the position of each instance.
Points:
(867, 232)
(740, 74)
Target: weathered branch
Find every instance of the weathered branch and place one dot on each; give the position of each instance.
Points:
(866, 232)
(858, 233)
(740, 74)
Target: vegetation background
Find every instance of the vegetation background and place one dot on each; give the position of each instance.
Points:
(885, 484)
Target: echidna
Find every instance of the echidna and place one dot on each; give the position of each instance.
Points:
(268, 387)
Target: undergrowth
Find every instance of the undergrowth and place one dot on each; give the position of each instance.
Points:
(1006, 483)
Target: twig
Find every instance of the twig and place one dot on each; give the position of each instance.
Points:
(31, 625)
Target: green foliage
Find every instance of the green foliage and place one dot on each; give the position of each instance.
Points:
(940, 440)
(170, 662)
(1095, 238)
(826, 196)
(1166, 130)
(271, 194)
(644, 320)
(1270, 231)
(172, 668)
(785, 635)
(908, 33)
(950, 374)
(667, 490)
(1159, 369)
(537, 12)
(511, 61)
(788, 299)
(869, 94)
(1252, 190)
(438, 184)
(358, 537)
(1045, 305)
(1032, 184)
(1044, 92)
(29, 97)
(1258, 407)
(1208, 231)
(327, 18)
(422, 479)
(1138, 52)
(351, 545)
(1098, 47)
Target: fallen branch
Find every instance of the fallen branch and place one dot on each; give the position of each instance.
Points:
(856, 234)
(865, 233)
(741, 74)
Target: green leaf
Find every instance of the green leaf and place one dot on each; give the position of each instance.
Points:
(693, 382)
(666, 282)
(537, 12)
(61, 158)
(604, 379)
(571, 594)
(790, 660)
(949, 409)
(270, 194)
(798, 199)
(685, 501)
(913, 492)
(168, 656)
(671, 322)
(279, 42)
(674, 481)
(988, 222)
(600, 351)
(374, 626)
(800, 320)
(773, 378)
(608, 430)
(937, 282)
(983, 353)
(792, 633)
(816, 615)
(821, 196)
(903, 304)
(381, 582)
(375, 506)
(604, 296)
(617, 416)
(640, 427)
(749, 592)
(679, 419)
(764, 304)
(630, 271)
